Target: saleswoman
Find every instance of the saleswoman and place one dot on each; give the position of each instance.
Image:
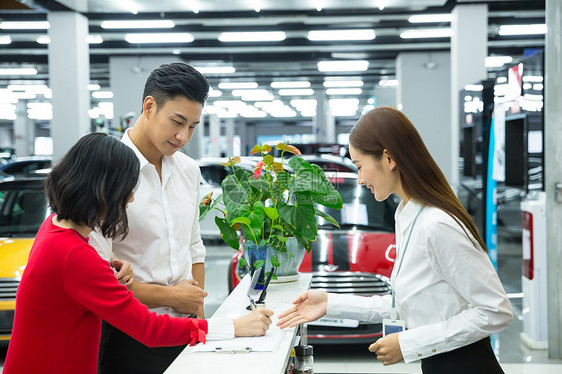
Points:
(67, 288)
(446, 292)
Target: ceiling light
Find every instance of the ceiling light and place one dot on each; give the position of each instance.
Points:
(343, 83)
(290, 84)
(497, 61)
(532, 78)
(344, 91)
(29, 25)
(267, 97)
(502, 79)
(44, 39)
(237, 85)
(474, 87)
(341, 35)
(215, 93)
(429, 18)
(357, 65)
(427, 33)
(229, 104)
(93, 87)
(264, 36)
(522, 29)
(296, 92)
(176, 51)
(5, 39)
(388, 82)
(215, 69)
(18, 71)
(180, 37)
(250, 92)
(146, 24)
(102, 94)
(94, 39)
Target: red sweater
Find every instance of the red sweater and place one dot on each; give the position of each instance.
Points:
(65, 291)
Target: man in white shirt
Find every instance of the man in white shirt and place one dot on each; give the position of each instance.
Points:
(164, 245)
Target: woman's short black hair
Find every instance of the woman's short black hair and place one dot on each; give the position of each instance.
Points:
(178, 79)
(93, 182)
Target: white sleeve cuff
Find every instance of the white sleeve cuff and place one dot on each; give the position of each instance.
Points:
(220, 329)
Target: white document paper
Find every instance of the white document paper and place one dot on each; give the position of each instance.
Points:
(266, 343)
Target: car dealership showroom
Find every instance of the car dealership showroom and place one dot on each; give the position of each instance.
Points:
(283, 156)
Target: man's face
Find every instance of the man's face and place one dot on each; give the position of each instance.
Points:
(171, 127)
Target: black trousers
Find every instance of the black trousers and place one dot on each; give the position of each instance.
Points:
(121, 354)
(476, 358)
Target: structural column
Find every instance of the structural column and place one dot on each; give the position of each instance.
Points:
(553, 173)
(423, 94)
(214, 135)
(69, 74)
(469, 48)
(324, 124)
(24, 131)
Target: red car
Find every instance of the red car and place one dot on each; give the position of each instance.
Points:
(355, 259)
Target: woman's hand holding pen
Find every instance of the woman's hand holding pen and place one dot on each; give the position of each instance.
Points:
(125, 274)
(387, 349)
(308, 307)
(255, 323)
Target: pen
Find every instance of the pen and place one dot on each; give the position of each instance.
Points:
(252, 303)
(263, 292)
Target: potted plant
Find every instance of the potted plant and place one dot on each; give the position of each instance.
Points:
(273, 209)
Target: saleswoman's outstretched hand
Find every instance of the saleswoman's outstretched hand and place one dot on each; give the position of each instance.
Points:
(308, 307)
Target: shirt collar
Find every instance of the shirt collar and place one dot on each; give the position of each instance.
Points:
(406, 212)
(127, 141)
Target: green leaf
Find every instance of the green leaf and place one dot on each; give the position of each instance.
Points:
(268, 159)
(271, 213)
(260, 185)
(301, 219)
(283, 179)
(234, 192)
(327, 217)
(203, 211)
(243, 220)
(332, 199)
(288, 148)
(242, 262)
(275, 262)
(281, 238)
(228, 233)
(258, 264)
(255, 216)
(278, 227)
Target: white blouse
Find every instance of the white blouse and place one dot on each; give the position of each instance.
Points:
(447, 290)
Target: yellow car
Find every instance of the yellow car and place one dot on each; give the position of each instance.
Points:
(23, 208)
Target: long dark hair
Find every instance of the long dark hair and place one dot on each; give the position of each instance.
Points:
(172, 80)
(387, 128)
(93, 182)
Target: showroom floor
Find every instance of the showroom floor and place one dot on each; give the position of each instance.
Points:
(514, 357)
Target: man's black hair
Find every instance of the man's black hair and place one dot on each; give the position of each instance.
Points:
(93, 182)
(172, 80)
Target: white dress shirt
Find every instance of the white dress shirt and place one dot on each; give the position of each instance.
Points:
(163, 240)
(447, 290)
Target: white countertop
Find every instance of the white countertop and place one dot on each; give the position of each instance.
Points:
(279, 297)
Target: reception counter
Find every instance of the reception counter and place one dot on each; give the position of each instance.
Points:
(279, 297)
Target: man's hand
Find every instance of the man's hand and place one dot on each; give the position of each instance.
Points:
(308, 307)
(186, 297)
(125, 274)
(255, 323)
(387, 349)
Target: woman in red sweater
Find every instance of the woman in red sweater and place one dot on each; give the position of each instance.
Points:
(67, 288)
